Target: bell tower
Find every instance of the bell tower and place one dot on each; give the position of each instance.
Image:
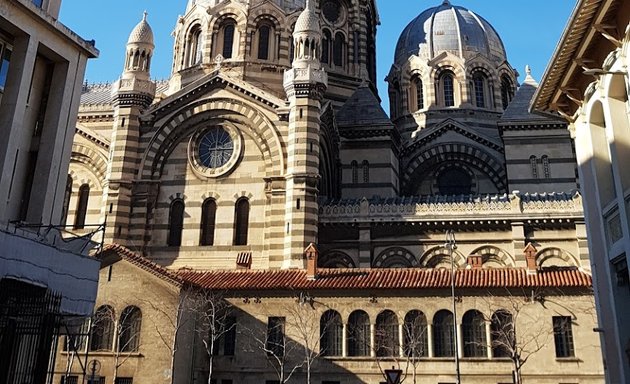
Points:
(131, 95)
(304, 84)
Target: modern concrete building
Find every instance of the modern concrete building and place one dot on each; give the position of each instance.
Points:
(269, 139)
(587, 83)
(44, 280)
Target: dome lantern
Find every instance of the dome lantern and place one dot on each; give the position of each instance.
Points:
(307, 38)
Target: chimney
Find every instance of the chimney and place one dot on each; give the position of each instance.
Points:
(311, 253)
(530, 256)
(475, 261)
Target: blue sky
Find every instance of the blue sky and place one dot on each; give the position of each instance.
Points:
(530, 30)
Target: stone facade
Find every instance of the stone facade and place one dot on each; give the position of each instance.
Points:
(269, 136)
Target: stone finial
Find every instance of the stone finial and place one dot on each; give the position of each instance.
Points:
(312, 254)
(528, 70)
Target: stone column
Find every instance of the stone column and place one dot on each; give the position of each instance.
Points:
(489, 339)
(429, 340)
(372, 340)
(344, 341)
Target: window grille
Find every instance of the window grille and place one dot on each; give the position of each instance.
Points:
(82, 207)
(416, 342)
(130, 325)
(387, 340)
(275, 336)
(563, 336)
(366, 171)
(241, 225)
(208, 221)
(102, 334)
(443, 334)
(533, 162)
(176, 223)
(331, 334)
(358, 334)
(474, 333)
(124, 380)
(69, 380)
(546, 170)
(355, 172)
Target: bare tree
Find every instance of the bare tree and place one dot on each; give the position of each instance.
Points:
(214, 320)
(415, 343)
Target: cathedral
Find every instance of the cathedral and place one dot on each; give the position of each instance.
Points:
(266, 169)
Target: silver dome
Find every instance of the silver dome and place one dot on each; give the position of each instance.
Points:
(449, 28)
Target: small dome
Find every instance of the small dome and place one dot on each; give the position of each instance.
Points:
(142, 33)
(308, 20)
(449, 28)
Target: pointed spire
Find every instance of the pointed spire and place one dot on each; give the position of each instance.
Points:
(529, 79)
(144, 15)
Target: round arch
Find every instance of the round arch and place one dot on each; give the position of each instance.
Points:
(395, 257)
(335, 259)
(94, 160)
(492, 254)
(553, 256)
(440, 256)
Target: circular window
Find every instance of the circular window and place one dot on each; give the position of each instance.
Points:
(215, 151)
(331, 11)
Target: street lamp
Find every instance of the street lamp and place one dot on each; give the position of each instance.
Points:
(451, 246)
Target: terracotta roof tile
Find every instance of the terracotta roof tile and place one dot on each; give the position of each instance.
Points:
(143, 263)
(347, 279)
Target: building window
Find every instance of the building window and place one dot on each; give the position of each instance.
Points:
(387, 341)
(366, 171)
(563, 336)
(69, 380)
(208, 222)
(448, 89)
(129, 333)
(358, 334)
(241, 224)
(5, 59)
(545, 164)
(443, 334)
(264, 36)
(506, 91)
(479, 85)
(326, 45)
(195, 45)
(123, 380)
(339, 47)
(275, 336)
(419, 93)
(355, 172)
(229, 30)
(66, 200)
(96, 380)
(331, 334)
(77, 342)
(82, 207)
(533, 162)
(474, 332)
(502, 334)
(415, 336)
(176, 223)
(102, 333)
(38, 3)
(454, 181)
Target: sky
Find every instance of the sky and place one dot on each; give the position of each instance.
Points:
(530, 30)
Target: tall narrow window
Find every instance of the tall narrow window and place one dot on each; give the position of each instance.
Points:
(275, 336)
(338, 49)
(366, 171)
(533, 162)
(358, 335)
(331, 334)
(264, 34)
(415, 336)
(354, 166)
(326, 42)
(419, 94)
(5, 59)
(129, 333)
(194, 46)
(66, 200)
(82, 207)
(387, 341)
(226, 345)
(443, 334)
(176, 223)
(502, 332)
(448, 88)
(563, 336)
(241, 224)
(545, 164)
(208, 219)
(506, 91)
(102, 332)
(228, 40)
(479, 82)
(474, 329)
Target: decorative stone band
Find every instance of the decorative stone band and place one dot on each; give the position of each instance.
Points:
(305, 82)
(550, 207)
(126, 91)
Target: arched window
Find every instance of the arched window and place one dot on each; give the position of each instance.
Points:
(229, 30)
(506, 91)
(545, 164)
(176, 223)
(474, 333)
(82, 207)
(415, 336)
(387, 341)
(208, 219)
(194, 46)
(326, 45)
(241, 224)
(502, 334)
(366, 171)
(129, 333)
(264, 39)
(419, 93)
(355, 172)
(66, 200)
(331, 334)
(102, 332)
(443, 334)
(533, 162)
(339, 47)
(479, 85)
(358, 334)
(454, 181)
(448, 89)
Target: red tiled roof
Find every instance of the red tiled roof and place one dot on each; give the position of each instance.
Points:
(348, 279)
(143, 263)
